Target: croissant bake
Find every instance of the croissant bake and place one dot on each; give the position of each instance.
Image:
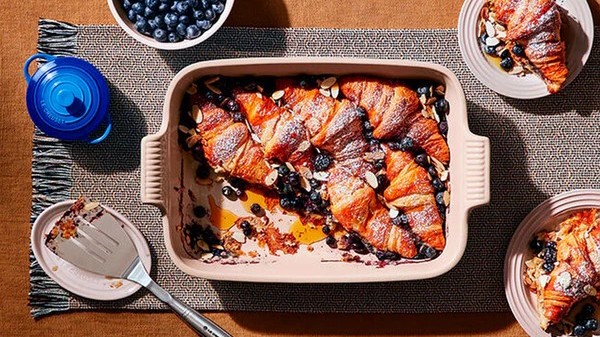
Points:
(349, 150)
(534, 26)
(566, 268)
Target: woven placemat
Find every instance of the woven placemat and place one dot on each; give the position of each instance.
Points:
(539, 148)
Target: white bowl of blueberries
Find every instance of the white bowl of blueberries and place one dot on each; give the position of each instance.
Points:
(170, 24)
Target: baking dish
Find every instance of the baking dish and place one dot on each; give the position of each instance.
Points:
(161, 173)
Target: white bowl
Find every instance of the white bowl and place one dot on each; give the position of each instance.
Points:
(546, 215)
(163, 172)
(121, 17)
(579, 44)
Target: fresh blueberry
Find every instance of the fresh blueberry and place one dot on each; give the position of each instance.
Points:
(193, 3)
(213, 1)
(181, 29)
(442, 106)
(163, 7)
(160, 35)
(160, 21)
(432, 171)
(131, 15)
(138, 8)
(579, 330)
(204, 4)
(439, 198)
(407, 144)
(506, 63)
(294, 179)
(149, 12)
(228, 191)
(256, 209)
(203, 171)
(314, 183)
(400, 220)
(518, 50)
(152, 4)
(192, 32)
(536, 245)
(322, 162)
(505, 53)
(218, 8)
(315, 197)
(483, 37)
(142, 25)
(423, 91)
(238, 117)
(185, 19)
(331, 242)
(367, 126)
(548, 267)
(588, 309)
(200, 211)
(379, 164)
(152, 24)
(443, 127)
(126, 5)
(427, 251)
(438, 185)
(209, 15)
(326, 229)
(422, 159)
(174, 6)
(198, 15)
(490, 50)
(246, 228)
(183, 7)
(171, 20)
(591, 324)
(232, 105)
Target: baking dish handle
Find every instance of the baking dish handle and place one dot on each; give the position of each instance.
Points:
(152, 171)
(477, 170)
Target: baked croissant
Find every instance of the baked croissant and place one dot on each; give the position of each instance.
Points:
(535, 25)
(394, 110)
(576, 274)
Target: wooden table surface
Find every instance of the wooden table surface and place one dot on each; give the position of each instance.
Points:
(18, 40)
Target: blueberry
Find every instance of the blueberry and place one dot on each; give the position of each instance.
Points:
(422, 159)
(246, 228)
(142, 25)
(232, 105)
(439, 198)
(192, 32)
(182, 7)
(400, 220)
(382, 182)
(185, 19)
(218, 8)
(518, 50)
(213, 1)
(198, 15)
(579, 330)
(138, 8)
(193, 3)
(548, 267)
(315, 197)
(209, 15)
(163, 7)
(505, 53)
(331, 242)
(204, 4)
(238, 117)
(591, 324)
(432, 171)
(423, 91)
(322, 162)
(326, 229)
(181, 29)
(200, 211)
(256, 209)
(227, 191)
(159, 20)
(490, 50)
(536, 245)
(483, 37)
(204, 24)
(152, 24)
(283, 170)
(362, 113)
(286, 203)
(126, 5)
(442, 106)
(131, 15)
(394, 146)
(203, 171)
(367, 126)
(149, 12)
(438, 185)
(171, 20)
(407, 144)
(379, 164)
(588, 309)
(314, 183)
(160, 35)
(506, 63)
(427, 251)
(152, 4)
(294, 178)
(443, 126)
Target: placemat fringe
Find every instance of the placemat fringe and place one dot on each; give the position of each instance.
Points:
(51, 176)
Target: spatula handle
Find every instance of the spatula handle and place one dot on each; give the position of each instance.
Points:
(203, 326)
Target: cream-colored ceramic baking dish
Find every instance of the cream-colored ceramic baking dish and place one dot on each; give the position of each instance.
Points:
(161, 172)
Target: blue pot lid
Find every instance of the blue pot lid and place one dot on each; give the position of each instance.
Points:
(67, 97)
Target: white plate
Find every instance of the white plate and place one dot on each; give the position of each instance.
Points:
(545, 216)
(78, 281)
(579, 44)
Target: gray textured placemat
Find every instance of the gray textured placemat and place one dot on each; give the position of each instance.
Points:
(539, 148)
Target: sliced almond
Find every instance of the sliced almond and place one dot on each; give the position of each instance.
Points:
(499, 28)
(373, 156)
(214, 89)
(325, 92)
(544, 280)
(492, 41)
(423, 99)
(516, 70)
(447, 198)
(197, 114)
(371, 179)
(255, 138)
(184, 129)
(202, 245)
(277, 95)
(212, 80)
(590, 290)
(435, 115)
(444, 175)
(490, 29)
(305, 184)
(271, 178)
(259, 95)
(328, 82)
(501, 35)
(321, 176)
(335, 90)
(290, 166)
(394, 212)
(438, 164)
(192, 89)
(492, 17)
(305, 172)
(425, 113)
(191, 141)
(91, 205)
(305, 145)
(259, 88)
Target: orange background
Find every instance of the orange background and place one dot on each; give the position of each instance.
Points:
(18, 25)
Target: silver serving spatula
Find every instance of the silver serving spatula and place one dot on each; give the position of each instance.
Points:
(100, 245)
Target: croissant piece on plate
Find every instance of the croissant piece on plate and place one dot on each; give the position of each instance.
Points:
(567, 269)
(536, 26)
(394, 110)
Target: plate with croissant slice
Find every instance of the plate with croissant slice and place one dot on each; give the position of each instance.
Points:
(315, 170)
(552, 267)
(525, 48)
